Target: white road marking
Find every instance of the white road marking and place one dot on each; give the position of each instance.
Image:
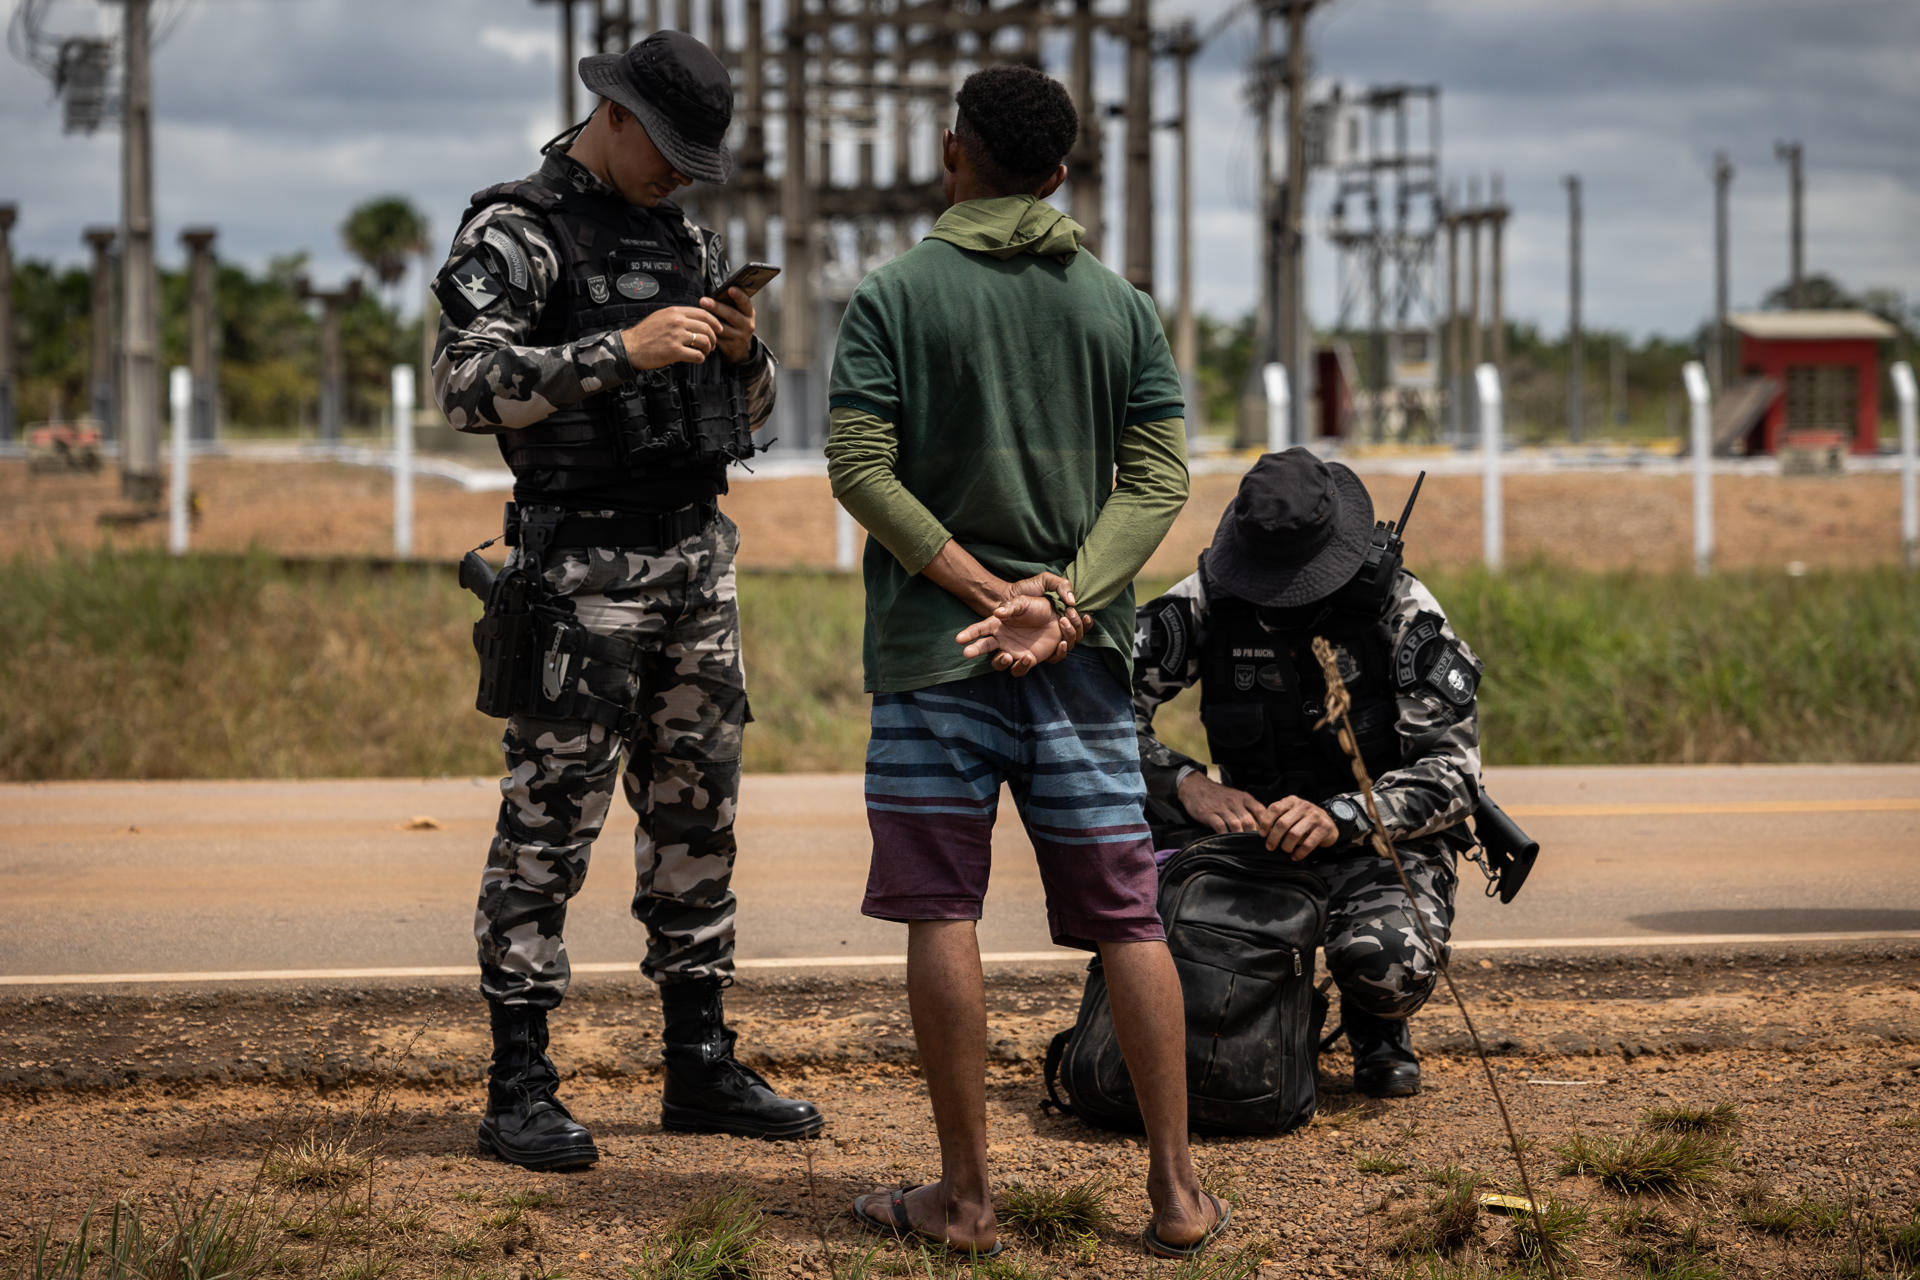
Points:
(872, 962)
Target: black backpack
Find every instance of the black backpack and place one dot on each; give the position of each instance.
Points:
(1242, 924)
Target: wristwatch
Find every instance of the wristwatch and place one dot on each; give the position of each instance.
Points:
(1349, 820)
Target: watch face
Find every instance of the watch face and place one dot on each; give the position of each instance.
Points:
(1343, 811)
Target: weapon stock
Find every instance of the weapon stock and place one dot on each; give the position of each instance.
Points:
(1509, 852)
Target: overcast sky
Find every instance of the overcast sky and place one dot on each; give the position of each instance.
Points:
(274, 117)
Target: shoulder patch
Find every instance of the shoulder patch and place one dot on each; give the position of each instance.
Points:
(1452, 677)
(1164, 634)
(468, 289)
(512, 256)
(1424, 632)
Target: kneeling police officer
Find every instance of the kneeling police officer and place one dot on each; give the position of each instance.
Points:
(1290, 561)
(586, 328)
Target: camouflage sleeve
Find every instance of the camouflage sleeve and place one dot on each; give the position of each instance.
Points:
(759, 368)
(1437, 678)
(1169, 632)
(492, 291)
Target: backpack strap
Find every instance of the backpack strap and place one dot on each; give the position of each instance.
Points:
(1056, 1050)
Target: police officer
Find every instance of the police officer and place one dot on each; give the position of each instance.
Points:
(584, 327)
(1289, 562)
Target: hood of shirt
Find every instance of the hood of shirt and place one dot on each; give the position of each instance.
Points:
(1007, 226)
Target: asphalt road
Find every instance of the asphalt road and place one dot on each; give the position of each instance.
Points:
(233, 881)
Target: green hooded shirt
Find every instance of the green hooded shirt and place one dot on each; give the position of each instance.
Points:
(987, 385)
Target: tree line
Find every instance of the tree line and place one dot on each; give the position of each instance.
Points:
(267, 336)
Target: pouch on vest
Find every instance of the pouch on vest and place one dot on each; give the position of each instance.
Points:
(1242, 924)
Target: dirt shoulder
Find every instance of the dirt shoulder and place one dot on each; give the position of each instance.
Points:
(1817, 1050)
(1585, 520)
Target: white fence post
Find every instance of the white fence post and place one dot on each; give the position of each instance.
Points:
(1279, 406)
(180, 394)
(845, 539)
(1700, 399)
(402, 461)
(1486, 380)
(1908, 394)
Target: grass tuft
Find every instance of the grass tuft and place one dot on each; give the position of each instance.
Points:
(1646, 1161)
(716, 1238)
(314, 1163)
(1387, 1164)
(1549, 1231)
(1066, 1218)
(205, 1240)
(1719, 1120)
(1449, 1220)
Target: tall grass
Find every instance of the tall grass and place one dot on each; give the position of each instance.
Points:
(138, 665)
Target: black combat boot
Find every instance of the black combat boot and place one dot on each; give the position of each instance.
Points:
(525, 1124)
(708, 1090)
(1383, 1061)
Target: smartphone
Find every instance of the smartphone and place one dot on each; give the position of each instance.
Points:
(751, 278)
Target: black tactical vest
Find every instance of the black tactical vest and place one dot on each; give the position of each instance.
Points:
(654, 444)
(1261, 692)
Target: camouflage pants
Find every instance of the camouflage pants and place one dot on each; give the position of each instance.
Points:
(681, 774)
(1374, 948)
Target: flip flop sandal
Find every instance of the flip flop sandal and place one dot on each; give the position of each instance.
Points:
(1161, 1249)
(897, 1225)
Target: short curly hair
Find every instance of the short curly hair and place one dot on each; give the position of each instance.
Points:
(1017, 124)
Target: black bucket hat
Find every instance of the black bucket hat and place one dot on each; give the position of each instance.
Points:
(680, 93)
(1296, 532)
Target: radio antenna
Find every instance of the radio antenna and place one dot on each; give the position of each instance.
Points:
(1413, 497)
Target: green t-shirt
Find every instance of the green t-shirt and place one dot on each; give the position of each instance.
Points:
(1010, 365)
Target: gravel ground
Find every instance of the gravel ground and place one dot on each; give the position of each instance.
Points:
(184, 1094)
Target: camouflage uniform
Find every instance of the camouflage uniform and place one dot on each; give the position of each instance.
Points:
(672, 607)
(1374, 949)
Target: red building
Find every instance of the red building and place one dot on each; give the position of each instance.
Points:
(1823, 368)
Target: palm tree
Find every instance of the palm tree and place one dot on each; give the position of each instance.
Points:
(383, 233)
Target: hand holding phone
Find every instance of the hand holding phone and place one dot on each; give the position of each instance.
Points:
(749, 279)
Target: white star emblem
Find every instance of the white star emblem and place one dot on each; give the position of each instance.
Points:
(478, 288)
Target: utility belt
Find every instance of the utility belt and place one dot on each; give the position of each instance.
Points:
(531, 651)
(570, 531)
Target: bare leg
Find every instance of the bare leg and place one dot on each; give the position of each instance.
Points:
(949, 1004)
(1149, 1016)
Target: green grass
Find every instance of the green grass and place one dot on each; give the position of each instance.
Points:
(1450, 1219)
(1551, 1230)
(1647, 1160)
(1721, 1118)
(1385, 1164)
(1064, 1219)
(207, 1239)
(715, 1238)
(138, 665)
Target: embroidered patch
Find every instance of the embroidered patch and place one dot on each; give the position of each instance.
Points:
(511, 254)
(1244, 674)
(477, 285)
(1452, 676)
(1406, 658)
(1163, 637)
(597, 289)
(637, 285)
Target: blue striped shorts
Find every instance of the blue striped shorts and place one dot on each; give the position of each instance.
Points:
(1062, 739)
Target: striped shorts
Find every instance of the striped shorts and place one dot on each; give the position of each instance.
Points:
(1062, 739)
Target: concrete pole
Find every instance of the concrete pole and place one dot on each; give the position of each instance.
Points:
(1717, 339)
(753, 155)
(796, 215)
(1492, 424)
(1700, 402)
(200, 355)
(1279, 407)
(1497, 319)
(1575, 370)
(846, 540)
(1908, 394)
(1456, 383)
(1616, 383)
(683, 16)
(7, 375)
(1140, 148)
(333, 382)
(139, 291)
(568, 77)
(402, 461)
(1475, 216)
(180, 389)
(1085, 162)
(102, 363)
(1293, 195)
(1185, 339)
(1793, 153)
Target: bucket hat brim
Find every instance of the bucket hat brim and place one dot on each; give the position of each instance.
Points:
(604, 74)
(1249, 572)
